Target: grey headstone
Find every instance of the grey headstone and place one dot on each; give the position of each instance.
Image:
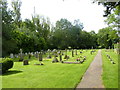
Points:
(11, 55)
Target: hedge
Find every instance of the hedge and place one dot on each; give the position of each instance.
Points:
(5, 64)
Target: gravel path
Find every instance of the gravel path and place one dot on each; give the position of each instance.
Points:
(92, 77)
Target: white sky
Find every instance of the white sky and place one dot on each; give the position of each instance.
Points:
(91, 15)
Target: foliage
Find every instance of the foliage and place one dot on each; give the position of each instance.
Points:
(107, 37)
(7, 63)
(16, 4)
(8, 45)
(110, 6)
(38, 33)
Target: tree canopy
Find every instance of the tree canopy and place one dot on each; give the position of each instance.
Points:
(38, 33)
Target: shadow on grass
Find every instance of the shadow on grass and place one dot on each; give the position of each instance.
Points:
(11, 72)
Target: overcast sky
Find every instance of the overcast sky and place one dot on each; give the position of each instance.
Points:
(91, 15)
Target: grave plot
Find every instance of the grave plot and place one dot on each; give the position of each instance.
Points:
(75, 58)
(55, 73)
(110, 70)
(111, 60)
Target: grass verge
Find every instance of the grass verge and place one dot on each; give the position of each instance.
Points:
(110, 71)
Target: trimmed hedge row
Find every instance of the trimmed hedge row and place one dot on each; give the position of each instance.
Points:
(5, 64)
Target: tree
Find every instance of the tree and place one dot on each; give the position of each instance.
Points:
(109, 6)
(107, 37)
(8, 44)
(16, 4)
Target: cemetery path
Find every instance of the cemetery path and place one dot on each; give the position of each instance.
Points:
(92, 77)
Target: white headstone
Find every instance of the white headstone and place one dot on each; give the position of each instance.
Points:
(11, 55)
(25, 53)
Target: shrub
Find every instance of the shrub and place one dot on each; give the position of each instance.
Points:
(6, 63)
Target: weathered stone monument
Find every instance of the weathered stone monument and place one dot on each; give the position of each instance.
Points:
(65, 57)
(55, 59)
(16, 56)
(25, 62)
(40, 56)
(60, 54)
(26, 54)
(11, 55)
(60, 58)
(29, 55)
(21, 55)
(76, 51)
(49, 56)
(78, 59)
(72, 53)
(36, 54)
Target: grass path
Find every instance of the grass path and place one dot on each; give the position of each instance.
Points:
(92, 77)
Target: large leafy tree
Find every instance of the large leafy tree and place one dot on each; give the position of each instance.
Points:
(112, 12)
(16, 5)
(107, 37)
(8, 44)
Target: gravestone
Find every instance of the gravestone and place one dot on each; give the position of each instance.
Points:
(29, 56)
(11, 55)
(40, 56)
(60, 57)
(36, 54)
(25, 62)
(55, 59)
(112, 62)
(31, 53)
(76, 51)
(49, 56)
(72, 53)
(84, 58)
(80, 52)
(78, 59)
(59, 52)
(55, 53)
(16, 56)
(65, 57)
(81, 61)
(26, 54)
(21, 55)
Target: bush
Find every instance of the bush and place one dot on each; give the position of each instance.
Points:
(6, 63)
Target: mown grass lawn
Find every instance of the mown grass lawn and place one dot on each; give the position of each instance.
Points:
(110, 71)
(50, 75)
